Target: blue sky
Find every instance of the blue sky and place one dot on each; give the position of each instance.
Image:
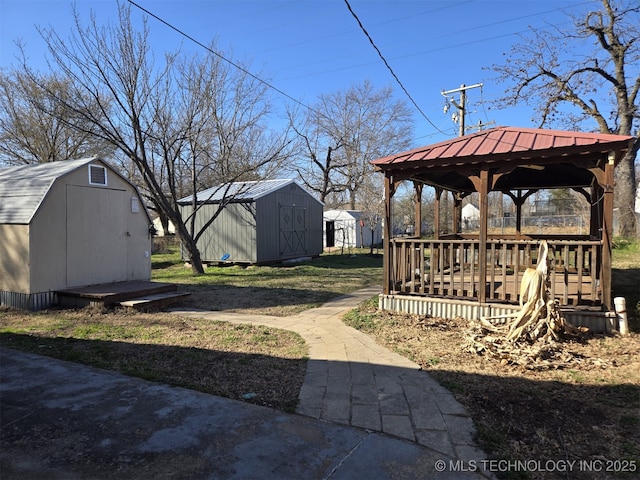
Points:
(306, 48)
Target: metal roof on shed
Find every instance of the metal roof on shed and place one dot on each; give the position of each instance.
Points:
(342, 214)
(237, 191)
(23, 188)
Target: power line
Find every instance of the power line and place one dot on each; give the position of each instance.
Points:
(399, 57)
(424, 52)
(269, 85)
(222, 57)
(346, 32)
(364, 30)
(252, 75)
(264, 82)
(513, 19)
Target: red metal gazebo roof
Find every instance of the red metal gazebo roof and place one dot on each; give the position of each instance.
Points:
(510, 143)
(524, 157)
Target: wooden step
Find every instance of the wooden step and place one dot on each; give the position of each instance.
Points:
(156, 301)
(110, 293)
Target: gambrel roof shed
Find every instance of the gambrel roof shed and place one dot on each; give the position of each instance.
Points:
(24, 188)
(68, 224)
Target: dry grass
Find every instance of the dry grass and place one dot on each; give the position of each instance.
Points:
(260, 365)
(279, 290)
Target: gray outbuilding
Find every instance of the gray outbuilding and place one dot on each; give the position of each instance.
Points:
(68, 224)
(257, 222)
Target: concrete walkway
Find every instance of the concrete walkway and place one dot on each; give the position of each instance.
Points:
(351, 380)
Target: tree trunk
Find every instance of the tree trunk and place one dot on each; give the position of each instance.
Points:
(625, 195)
(372, 236)
(164, 222)
(189, 244)
(352, 199)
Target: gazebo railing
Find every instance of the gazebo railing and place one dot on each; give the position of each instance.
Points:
(450, 268)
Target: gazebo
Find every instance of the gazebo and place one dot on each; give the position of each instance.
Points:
(479, 274)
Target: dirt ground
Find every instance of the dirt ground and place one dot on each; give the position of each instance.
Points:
(581, 403)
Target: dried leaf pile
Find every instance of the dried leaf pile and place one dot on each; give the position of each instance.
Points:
(534, 350)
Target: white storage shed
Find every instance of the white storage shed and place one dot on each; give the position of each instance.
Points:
(347, 228)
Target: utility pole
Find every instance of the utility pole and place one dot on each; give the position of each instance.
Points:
(461, 106)
(457, 196)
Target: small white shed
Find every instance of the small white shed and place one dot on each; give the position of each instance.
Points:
(470, 216)
(68, 224)
(347, 228)
(159, 230)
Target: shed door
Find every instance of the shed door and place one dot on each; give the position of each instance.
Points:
(330, 229)
(293, 230)
(96, 235)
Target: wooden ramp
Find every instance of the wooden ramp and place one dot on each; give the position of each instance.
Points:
(140, 295)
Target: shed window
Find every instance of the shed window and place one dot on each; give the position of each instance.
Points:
(97, 175)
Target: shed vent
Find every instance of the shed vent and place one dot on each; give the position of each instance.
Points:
(97, 175)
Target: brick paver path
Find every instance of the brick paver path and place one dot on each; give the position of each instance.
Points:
(351, 380)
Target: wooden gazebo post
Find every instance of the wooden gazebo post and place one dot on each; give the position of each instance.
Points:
(457, 213)
(604, 184)
(436, 213)
(387, 264)
(482, 185)
(518, 200)
(595, 216)
(418, 209)
(607, 232)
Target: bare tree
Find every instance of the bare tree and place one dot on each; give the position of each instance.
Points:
(573, 90)
(318, 172)
(353, 127)
(179, 125)
(212, 132)
(35, 127)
